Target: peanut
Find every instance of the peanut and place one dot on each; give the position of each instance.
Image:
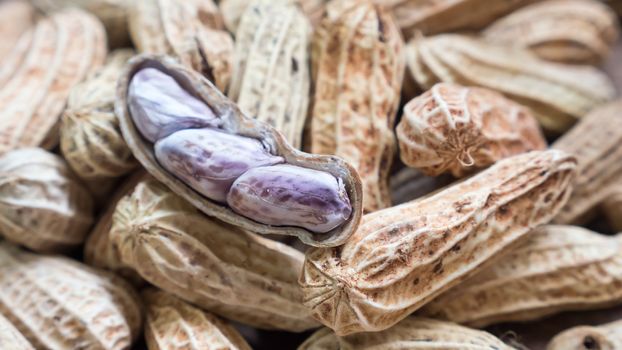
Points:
(604, 337)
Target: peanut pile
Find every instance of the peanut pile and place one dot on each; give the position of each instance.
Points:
(310, 174)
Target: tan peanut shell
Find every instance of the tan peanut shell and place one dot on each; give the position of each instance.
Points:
(174, 27)
(439, 16)
(612, 207)
(44, 206)
(235, 121)
(573, 31)
(58, 303)
(408, 184)
(402, 257)
(558, 94)
(458, 129)
(413, 333)
(38, 74)
(595, 141)
(218, 267)
(271, 71)
(604, 337)
(358, 68)
(16, 17)
(91, 141)
(172, 324)
(11, 338)
(558, 268)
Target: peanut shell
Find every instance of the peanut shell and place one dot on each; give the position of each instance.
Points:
(457, 129)
(58, 303)
(408, 184)
(218, 267)
(595, 143)
(402, 257)
(173, 324)
(604, 337)
(56, 54)
(11, 338)
(358, 69)
(558, 268)
(237, 123)
(612, 207)
(16, 17)
(558, 94)
(44, 206)
(271, 71)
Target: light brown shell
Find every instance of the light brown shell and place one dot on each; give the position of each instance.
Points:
(271, 72)
(604, 337)
(172, 324)
(233, 273)
(412, 333)
(438, 16)
(595, 141)
(91, 141)
(11, 338)
(558, 94)
(58, 303)
(458, 129)
(238, 123)
(558, 268)
(573, 31)
(402, 257)
(38, 74)
(178, 28)
(358, 68)
(612, 207)
(44, 206)
(16, 17)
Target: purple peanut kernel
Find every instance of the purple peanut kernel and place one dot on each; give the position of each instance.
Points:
(159, 106)
(209, 161)
(288, 195)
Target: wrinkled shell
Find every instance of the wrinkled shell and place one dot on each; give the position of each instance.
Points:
(358, 68)
(573, 31)
(38, 74)
(438, 16)
(172, 324)
(402, 257)
(604, 337)
(11, 338)
(271, 72)
(44, 207)
(408, 184)
(558, 94)
(177, 28)
(413, 333)
(16, 16)
(233, 273)
(235, 122)
(595, 141)
(58, 303)
(457, 129)
(91, 141)
(612, 207)
(558, 268)
(233, 10)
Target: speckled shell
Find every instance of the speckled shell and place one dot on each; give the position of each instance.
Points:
(58, 303)
(218, 267)
(172, 324)
(438, 16)
(358, 68)
(44, 207)
(596, 144)
(176, 28)
(11, 338)
(36, 77)
(612, 207)
(558, 268)
(604, 337)
(413, 333)
(573, 31)
(238, 123)
(558, 94)
(16, 17)
(91, 141)
(458, 129)
(271, 72)
(402, 257)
